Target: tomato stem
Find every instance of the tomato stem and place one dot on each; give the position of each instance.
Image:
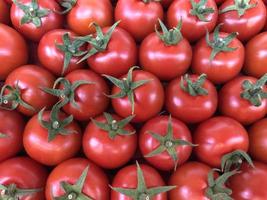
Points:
(241, 6)
(194, 88)
(200, 10)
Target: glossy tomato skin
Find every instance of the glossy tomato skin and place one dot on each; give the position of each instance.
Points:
(224, 67)
(118, 58)
(4, 14)
(233, 105)
(127, 178)
(52, 21)
(95, 186)
(249, 183)
(51, 57)
(191, 109)
(248, 25)
(26, 174)
(13, 48)
(145, 18)
(86, 12)
(35, 141)
(191, 180)
(256, 56)
(12, 126)
(151, 94)
(192, 28)
(166, 62)
(30, 80)
(218, 136)
(147, 143)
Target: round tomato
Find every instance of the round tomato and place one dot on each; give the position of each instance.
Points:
(191, 99)
(218, 136)
(20, 174)
(4, 14)
(14, 51)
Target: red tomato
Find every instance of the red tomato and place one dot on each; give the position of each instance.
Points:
(95, 185)
(9, 1)
(38, 19)
(195, 107)
(247, 23)
(195, 23)
(218, 136)
(4, 14)
(138, 17)
(13, 50)
(85, 12)
(23, 173)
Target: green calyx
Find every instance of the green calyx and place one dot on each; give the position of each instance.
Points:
(170, 37)
(141, 192)
(127, 86)
(219, 44)
(254, 93)
(241, 6)
(194, 88)
(70, 49)
(148, 1)
(3, 135)
(74, 192)
(32, 13)
(13, 99)
(12, 192)
(168, 143)
(114, 127)
(67, 5)
(200, 10)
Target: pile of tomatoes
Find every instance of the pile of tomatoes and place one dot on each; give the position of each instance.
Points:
(133, 99)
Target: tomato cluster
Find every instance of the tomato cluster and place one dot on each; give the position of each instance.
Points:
(133, 99)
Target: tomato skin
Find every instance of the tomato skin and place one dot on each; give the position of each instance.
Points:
(96, 183)
(188, 108)
(26, 174)
(218, 136)
(256, 56)
(147, 143)
(192, 28)
(86, 12)
(248, 25)
(4, 14)
(127, 178)
(14, 50)
(118, 58)
(233, 105)
(49, 22)
(35, 141)
(166, 62)
(146, 15)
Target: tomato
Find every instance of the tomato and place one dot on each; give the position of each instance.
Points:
(218, 136)
(246, 17)
(196, 101)
(175, 143)
(198, 16)
(166, 3)
(13, 50)
(256, 56)
(4, 14)
(85, 12)
(109, 147)
(58, 50)
(138, 17)
(9, 1)
(243, 99)
(37, 18)
(22, 174)
(94, 186)
(219, 1)
(11, 129)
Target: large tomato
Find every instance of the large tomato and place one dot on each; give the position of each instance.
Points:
(94, 182)
(4, 14)
(13, 50)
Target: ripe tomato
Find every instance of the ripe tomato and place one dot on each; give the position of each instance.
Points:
(138, 17)
(4, 14)
(196, 101)
(13, 48)
(198, 16)
(242, 99)
(94, 186)
(22, 174)
(218, 136)
(246, 17)
(37, 18)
